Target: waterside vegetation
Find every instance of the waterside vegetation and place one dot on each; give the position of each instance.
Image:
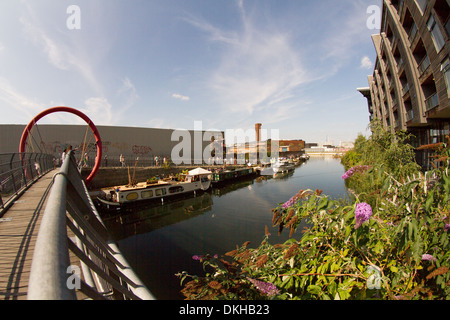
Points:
(389, 241)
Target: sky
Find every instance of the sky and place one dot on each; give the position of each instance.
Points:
(292, 65)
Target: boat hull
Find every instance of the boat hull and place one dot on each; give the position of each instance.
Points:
(225, 177)
(116, 198)
(283, 168)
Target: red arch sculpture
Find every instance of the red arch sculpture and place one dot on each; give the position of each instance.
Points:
(82, 116)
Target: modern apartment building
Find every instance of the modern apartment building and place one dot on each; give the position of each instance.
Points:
(410, 85)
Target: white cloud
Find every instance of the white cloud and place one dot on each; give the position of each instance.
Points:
(17, 102)
(259, 68)
(129, 90)
(366, 63)
(157, 123)
(59, 54)
(343, 35)
(99, 110)
(56, 54)
(181, 97)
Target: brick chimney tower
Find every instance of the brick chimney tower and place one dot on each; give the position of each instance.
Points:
(258, 131)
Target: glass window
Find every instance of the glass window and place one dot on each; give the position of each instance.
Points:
(147, 194)
(445, 68)
(132, 196)
(176, 189)
(160, 192)
(436, 34)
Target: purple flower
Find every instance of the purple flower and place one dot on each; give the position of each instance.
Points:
(290, 202)
(428, 257)
(348, 174)
(265, 287)
(199, 257)
(447, 227)
(352, 171)
(363, 212)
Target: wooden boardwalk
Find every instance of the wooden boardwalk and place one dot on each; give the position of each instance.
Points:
(18, 233)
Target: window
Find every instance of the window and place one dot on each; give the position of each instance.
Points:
(147, 194)
(436, 34)
(445, 68)
(132, 196)
(176, 189)
(412, 32)
(160, 192)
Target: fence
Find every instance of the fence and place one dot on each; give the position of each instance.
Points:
(105, 272)
(18, 171)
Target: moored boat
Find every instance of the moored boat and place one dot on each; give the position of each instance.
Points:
(231, 175)
(197, 180)
(282, 166)
(305, 156)
(265, 169)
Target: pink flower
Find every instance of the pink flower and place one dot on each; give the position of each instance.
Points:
(363, 212)
(353, 170)
(428, 257)
(265, 287)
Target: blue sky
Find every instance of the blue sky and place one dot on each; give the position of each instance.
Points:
(292, 65)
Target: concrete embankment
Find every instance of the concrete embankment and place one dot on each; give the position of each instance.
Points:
(114, 176)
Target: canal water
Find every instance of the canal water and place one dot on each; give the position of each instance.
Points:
(160, 241)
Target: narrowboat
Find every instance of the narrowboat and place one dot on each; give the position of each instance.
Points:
(226, 176)
(195, 181)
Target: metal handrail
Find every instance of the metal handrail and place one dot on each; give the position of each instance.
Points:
(105, 272)
(18, 171)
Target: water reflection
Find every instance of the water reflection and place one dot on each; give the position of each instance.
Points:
(146, 219)
(160, 241)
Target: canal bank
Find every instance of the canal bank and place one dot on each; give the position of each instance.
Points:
(114, 176)
(161, 241)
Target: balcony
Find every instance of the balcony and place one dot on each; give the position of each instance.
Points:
(432, 101)
(412, 33)
(409, 115)
(405, 88)
(399, 63)
(424, 64)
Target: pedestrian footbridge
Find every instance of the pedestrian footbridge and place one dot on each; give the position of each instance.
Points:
(54, 245)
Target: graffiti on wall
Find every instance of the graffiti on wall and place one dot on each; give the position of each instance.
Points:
(141, 150)
(57, 147)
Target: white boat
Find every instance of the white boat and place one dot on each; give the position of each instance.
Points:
(265, 169)
(282, 166)
(304, 156)
(197, 180)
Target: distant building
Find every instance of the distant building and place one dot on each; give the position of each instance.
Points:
(346, 145)
(311, 144)
(291, 146)
(410, 85)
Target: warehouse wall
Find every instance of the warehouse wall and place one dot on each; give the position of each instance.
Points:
(132, 142)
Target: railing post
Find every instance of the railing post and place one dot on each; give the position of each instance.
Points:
(69, 205)
(48, 277)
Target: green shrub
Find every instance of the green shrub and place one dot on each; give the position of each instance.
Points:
(396, 247)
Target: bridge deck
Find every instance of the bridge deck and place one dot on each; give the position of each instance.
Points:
(18, 233)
